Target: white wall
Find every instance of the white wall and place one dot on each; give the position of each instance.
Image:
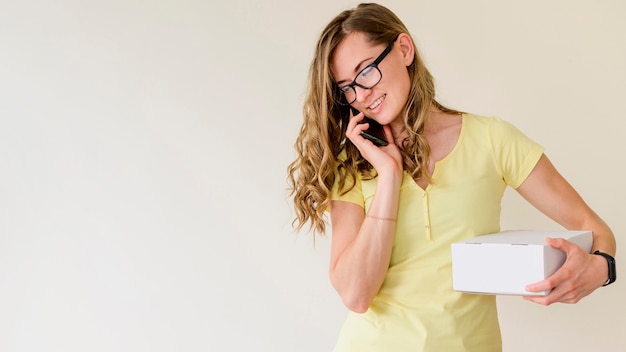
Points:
(143, 155)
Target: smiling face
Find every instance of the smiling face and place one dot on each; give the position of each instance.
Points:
(385, 101)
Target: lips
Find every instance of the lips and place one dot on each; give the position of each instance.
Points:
(377, 102)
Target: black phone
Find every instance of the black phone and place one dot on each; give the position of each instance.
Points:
(374, 132)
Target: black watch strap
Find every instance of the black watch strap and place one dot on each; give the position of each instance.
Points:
(611, 262)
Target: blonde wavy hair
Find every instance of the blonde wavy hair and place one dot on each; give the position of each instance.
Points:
(322, 136)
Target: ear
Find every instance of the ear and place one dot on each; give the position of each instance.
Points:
(407, 48)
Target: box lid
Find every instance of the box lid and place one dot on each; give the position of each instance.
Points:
(523, 237)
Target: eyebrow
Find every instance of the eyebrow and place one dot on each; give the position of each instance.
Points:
(357, 68)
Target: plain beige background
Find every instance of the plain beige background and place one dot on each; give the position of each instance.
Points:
(144, 146)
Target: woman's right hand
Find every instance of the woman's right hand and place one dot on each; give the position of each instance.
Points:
(382, 158)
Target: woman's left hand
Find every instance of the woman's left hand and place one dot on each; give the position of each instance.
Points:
(580, 275)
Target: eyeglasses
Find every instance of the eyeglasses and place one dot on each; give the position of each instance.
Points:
(367, 78)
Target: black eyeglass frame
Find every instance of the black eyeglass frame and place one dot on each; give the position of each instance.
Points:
(354, 83)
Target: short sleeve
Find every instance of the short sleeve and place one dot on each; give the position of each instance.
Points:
(516, 154)
(355, 194)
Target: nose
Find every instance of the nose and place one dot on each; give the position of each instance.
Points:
(362, 93)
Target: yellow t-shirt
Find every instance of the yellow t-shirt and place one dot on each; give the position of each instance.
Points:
(416, 308)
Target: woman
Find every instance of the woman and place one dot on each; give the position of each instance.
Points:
(395, 209)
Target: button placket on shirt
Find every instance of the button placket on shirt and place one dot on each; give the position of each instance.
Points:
(425, 206)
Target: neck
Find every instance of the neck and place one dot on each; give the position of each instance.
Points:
(431, 122)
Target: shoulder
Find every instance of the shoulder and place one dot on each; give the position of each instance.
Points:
(483, 120)
(492, 126)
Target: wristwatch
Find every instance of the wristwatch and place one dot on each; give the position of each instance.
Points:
(611, 261)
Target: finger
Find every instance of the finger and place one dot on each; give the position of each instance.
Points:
(543, 285)
(553, 280)
(354, 118)
(354, 121)
(555, 294)
(354, 113)
(557, 243)
(562, 294)
(543, 300)
(562, 245)
(538, 299)
(354, 131)
(560, 284)
(561, 273)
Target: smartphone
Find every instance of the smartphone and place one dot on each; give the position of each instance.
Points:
(374, 132)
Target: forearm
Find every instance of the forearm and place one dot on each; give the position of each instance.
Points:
(360, 269)
(584, 218)
(550, 193)
(603, 238)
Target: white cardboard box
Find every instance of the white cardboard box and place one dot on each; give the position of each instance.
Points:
(506, 262)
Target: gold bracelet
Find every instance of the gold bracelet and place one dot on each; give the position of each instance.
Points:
(379, 218)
